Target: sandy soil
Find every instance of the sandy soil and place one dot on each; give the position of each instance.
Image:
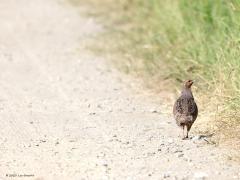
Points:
(66, 114)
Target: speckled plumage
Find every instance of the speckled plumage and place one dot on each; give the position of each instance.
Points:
(185, 109)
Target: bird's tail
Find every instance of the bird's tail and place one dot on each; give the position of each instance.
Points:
(184, 119)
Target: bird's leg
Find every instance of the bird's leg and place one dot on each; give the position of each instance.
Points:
(183, 132)
(188, 129)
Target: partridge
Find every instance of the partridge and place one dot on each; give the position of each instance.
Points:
(185, 109)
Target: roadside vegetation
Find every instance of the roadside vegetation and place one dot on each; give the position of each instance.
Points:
(166, 42)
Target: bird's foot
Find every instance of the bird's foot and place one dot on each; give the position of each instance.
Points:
(185, 138)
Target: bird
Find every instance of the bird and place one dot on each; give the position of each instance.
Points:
(185, 109)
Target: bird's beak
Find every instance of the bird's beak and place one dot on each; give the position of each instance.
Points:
(193, 81)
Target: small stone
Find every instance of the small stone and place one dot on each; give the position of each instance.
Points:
(170, 141)
(190, 163)
(195, 138)
(200, 176)
(180, 155)
(92, 113)
(159, 149)
(187, 159)
(150, 154)
(166, 175)
(154, 111)
(177, 151)
(185, 178)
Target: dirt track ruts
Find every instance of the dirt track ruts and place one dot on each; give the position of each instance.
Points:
(66, 114)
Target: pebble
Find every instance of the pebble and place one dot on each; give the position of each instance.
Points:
(180, 155)
(170, 141)
(181, 178)
(187, 159)
(177, 151)
(92, 113)
(190, 163)
(153, 111)
(99, 106)
(166, 175)
(195, 138)
(200, 176)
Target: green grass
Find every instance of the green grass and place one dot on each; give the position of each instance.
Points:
(173, 40)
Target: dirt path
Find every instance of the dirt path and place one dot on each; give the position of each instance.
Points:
(66, 115)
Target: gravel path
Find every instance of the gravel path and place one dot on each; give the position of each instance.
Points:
(66, 115)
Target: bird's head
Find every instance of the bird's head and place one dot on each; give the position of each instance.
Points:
(188, 84)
